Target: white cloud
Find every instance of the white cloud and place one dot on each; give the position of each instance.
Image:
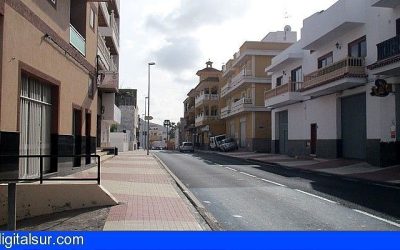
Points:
(181, 35)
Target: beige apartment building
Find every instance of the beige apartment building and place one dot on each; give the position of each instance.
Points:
(207, 106)
(243, 84)
(48, 100)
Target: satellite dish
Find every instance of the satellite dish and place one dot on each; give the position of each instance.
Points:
(287, 28)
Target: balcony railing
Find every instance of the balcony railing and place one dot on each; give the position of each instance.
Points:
(285, 88)
(206, 97)
(114, 26)
(389, 48)
(236, 107)
(204, 118)
(101, 44)
(77, 40)
(352, 67)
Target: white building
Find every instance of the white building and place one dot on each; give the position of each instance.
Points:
(321, 99)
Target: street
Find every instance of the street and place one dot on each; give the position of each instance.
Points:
(243, 196)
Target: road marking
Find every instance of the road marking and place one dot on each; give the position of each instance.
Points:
(386, 186)
(237, 216)
(378, 218)
(272, 182)
(207, 202)
(231, 169)
(248, 174)
(316, 196)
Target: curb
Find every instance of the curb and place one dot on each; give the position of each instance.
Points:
(207, 216)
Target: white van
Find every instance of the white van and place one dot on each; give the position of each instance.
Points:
(215, 142)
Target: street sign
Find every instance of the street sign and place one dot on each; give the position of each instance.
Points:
(148, 118)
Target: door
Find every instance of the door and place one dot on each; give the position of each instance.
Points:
(76, 134)
(35, 126)
(88, 123)
(313, 140)
(242, 134)
(283, 132)
(354, 128)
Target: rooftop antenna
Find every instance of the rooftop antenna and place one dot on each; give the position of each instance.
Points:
(287, 27)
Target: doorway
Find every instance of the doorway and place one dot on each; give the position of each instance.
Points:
(243, 134)
(283, 132)
(35, 126)
(313, 142)
(77, 136)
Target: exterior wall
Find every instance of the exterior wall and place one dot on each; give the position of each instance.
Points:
(53, 61)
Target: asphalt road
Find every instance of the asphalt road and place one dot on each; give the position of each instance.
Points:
(246, 196)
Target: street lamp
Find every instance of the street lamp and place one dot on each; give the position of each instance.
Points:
(167, 124)
(148, 105)
(144, 127)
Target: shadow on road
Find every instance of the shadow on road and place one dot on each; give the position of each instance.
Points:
(378, 198)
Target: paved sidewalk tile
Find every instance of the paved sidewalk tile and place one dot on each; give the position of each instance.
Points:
(147, 194)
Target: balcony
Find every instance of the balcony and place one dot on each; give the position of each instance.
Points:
(240, 106)
(111, 34)
(389, 48)
(342, 17)
(202, 120)
(104, 53)
(206, 97)
(344, 74)
(388, 62)
(110, 112)
(245, 76)
(283, 95)
(109, 82)
(385, 3)
(77, 40)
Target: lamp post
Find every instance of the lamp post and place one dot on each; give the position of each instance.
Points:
(144, 126)
(148, 105)
(167, 124)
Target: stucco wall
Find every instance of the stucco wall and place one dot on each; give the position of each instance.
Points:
(24, 43)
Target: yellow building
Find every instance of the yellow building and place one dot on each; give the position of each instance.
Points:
(207, 106)
(243, 84)
(48, 101)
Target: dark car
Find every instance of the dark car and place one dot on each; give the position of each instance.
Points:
(228, 144)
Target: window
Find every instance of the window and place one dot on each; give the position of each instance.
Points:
(398, 27)
(325, 60)
(91, 87)
(297, 75)
(358, 48)
(279, 81)
(92, 18)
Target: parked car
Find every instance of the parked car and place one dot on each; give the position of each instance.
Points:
(229, 144)
(215, 142)
(186, 147)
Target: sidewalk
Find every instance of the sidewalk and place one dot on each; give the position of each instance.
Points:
(148, 196)
(340, 167)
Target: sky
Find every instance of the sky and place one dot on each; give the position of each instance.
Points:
(181, 35)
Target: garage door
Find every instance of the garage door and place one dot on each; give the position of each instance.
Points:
(354, 128)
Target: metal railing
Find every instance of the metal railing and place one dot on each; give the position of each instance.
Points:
(348, 66)
(101, 44)
(282, 89)
(114, 26)
(389, 48)
(41, 178)
(77, 40)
